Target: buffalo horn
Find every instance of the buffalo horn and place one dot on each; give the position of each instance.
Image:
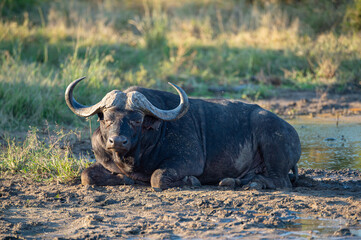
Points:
(77, 108)
(137, 101)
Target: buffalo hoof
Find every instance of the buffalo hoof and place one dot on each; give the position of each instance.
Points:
(98, 175)
(169, 178)
(191, 181)
(230, 182)
(293, 178)
(256, 186)
(253, 186)
(259, 182)
(157, 189)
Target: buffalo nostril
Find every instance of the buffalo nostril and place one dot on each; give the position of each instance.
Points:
(118, 142)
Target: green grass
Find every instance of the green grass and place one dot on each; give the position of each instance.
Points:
(47, 159)
(44, 45)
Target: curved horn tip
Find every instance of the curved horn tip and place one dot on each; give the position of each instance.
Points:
(75, 107)
(172, 84)
(176, 87)
(70, 87)
(79, 79)
(72, 84)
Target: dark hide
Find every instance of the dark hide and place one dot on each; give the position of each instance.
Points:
(213, 141)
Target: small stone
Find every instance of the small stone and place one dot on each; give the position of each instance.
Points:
(342, 232)
(133, 230)
(330, 139)
(92, 219)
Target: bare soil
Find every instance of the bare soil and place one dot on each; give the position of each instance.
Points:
(295, 103)
(39, 210)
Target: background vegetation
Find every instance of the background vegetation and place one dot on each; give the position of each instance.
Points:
(198, 44)
(44, 45)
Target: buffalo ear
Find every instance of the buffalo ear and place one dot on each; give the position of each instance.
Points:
(100, 116)
(151, 123)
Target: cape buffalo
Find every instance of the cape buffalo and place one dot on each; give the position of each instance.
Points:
(148, 136)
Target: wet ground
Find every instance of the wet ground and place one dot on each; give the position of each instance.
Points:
(325, 204)
(310, 103)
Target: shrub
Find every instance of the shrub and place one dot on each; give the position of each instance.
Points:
(352, 20)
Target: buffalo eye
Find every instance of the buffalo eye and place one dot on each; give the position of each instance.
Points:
(136, 123)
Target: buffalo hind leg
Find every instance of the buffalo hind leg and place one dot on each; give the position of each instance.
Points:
(275, 156)
(96, 174)
(272, 176)
(168, 178)
(294, 175)
(239, 181)
(256, 181)
(261, 181)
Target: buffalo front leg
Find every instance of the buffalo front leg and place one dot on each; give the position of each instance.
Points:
(181, 169)
(168, 178)
(96, 174)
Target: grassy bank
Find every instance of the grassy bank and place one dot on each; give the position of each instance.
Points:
(44, 45)
(42, 156)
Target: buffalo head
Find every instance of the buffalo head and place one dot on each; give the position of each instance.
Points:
(122, 116)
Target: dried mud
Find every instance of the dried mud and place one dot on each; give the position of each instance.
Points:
(47, 211)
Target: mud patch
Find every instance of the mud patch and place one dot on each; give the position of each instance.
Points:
(39, 210)
(296, 103)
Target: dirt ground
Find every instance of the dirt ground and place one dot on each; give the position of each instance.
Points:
(47, 211)
(323, 205)
(293, 103)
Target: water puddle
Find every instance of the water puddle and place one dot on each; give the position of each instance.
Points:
(310, 227)
(328, 143)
